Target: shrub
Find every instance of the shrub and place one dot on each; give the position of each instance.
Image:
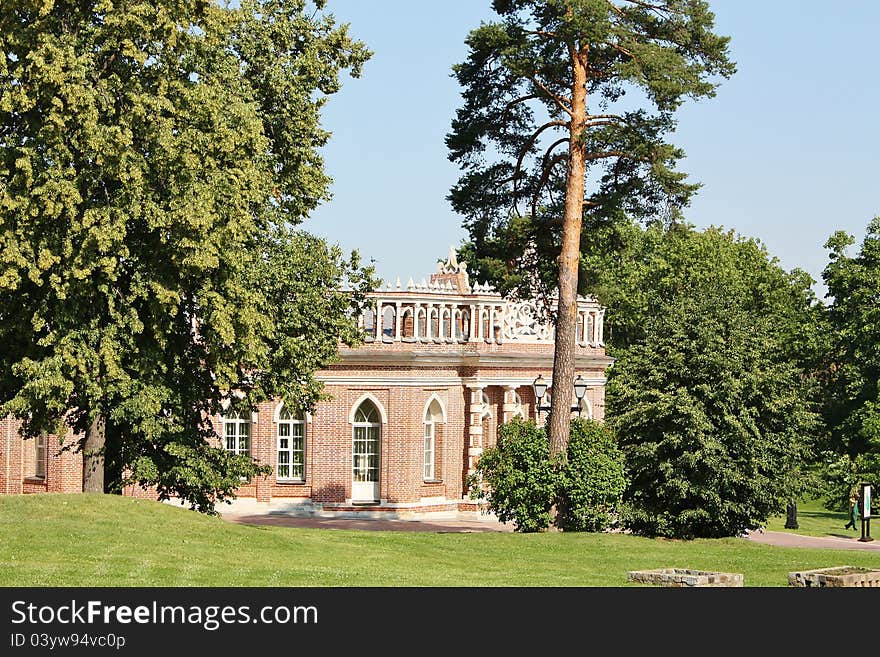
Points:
(521, 482)
(519, 478)
(592, 479)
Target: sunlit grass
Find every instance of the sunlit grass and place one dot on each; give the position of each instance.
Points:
(86, 540)
(815, 520)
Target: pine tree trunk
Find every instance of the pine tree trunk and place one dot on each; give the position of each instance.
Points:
(93, 457)
(569, 260)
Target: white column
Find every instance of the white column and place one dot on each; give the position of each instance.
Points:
(416, 310)
(475, 428)
(380, 320)
(472, 329)
(509, 407)
(397, 321)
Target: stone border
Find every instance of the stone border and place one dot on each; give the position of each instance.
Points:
(685, 577)
(835, 577)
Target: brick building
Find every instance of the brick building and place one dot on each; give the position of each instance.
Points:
(443, 364)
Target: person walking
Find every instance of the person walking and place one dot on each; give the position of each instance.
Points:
(853, 510)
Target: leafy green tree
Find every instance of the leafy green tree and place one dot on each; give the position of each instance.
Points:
(853, 387)
(593, 479)
(555, 97)
(155, 161)
(522, 482)
(715, 414)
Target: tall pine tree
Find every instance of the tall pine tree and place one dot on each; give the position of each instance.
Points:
(555, 137)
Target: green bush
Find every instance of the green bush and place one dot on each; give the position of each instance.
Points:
(593, 478)
(521, 482)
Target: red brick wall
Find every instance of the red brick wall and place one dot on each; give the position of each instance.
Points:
(402, 394)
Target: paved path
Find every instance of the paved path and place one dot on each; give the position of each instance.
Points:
(787, 539)
(781, 539)
(441, 526)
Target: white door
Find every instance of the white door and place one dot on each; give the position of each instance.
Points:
(365, 454)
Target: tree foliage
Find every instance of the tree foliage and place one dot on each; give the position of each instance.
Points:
(523, 481)
(852, 407)
(712, 409)
(593, 480)
(155, 161)
(512, 135)
(567, 104)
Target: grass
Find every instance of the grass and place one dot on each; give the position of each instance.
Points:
(84, 540)
(815, 520)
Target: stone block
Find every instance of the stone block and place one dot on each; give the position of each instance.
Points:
(685, 577)
(838, 576)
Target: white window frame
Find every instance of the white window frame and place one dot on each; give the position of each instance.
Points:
(371, 432)
(429, 446)
(41, 454)
(238, 420)
(288, 420)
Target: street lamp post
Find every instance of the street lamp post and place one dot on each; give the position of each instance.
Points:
(539, 386)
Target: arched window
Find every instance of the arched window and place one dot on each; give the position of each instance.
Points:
(291, 446)
(388, 322)
(367, 440)
(370, 322)
(464, 326)
(433, 417)
(433, 323)
(237, 433)
(422, 324)
(406, 323)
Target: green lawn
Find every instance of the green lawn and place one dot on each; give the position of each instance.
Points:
(815, 520)
(80, 540)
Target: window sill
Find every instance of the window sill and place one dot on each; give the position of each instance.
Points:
(290, 482)
(432, 481)
(35, 479)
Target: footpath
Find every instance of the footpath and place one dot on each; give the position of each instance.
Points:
(490, 524)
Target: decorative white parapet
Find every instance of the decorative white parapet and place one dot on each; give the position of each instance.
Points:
(448, 309)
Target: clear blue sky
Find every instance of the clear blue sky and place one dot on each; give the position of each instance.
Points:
(787, 152)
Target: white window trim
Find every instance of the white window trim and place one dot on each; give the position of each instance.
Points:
(293, 420)
(41, 444)
(238, 419)
(368, 426)
(429, 426)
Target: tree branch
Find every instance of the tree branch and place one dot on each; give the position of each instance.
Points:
(545, 176)
(516, 102)
(621, 49)
(605, 154)
(555, 98)
(525, 151)
(545, 33)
